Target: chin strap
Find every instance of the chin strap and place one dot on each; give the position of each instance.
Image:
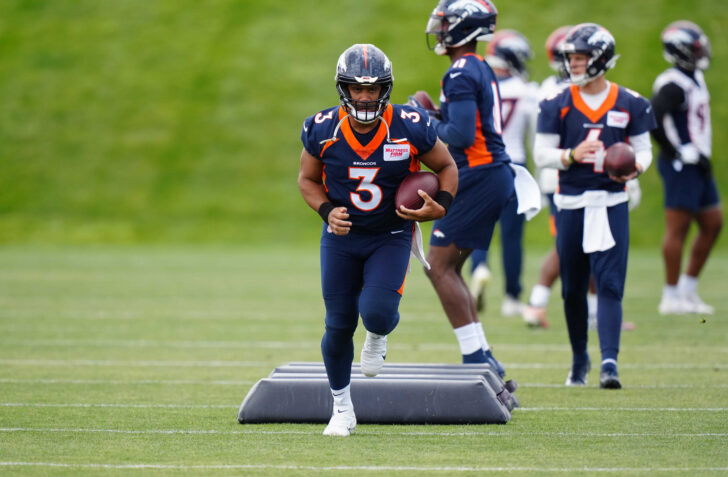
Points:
(388, 138)
(336, 130)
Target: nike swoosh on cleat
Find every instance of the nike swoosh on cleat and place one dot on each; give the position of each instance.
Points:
(340, 411)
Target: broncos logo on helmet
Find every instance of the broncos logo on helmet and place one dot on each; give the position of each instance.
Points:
(455, 23)
(686, 46)
(597, 43)
(364, 65)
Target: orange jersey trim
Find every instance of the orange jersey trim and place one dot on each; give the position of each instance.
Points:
(365, 151)
(565, 111)
(552, 225)
(478, 154)
(594, 115)
(475, 55)
(414, 165)
(323, 178)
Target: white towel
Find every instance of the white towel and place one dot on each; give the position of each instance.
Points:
(527, 192)
(597, 236)
(417, 249)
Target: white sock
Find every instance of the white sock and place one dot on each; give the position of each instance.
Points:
(591, 304)
(687, 284)
(540, 296)
(342, 397)
(670, 292)
(468, 338)
(481, 335)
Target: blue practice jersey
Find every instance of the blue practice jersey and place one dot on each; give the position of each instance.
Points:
(364, 178)
(471, 78)
(623, 113)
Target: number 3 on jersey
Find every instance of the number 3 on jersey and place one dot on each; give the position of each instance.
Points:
(598, 158)
(367, 176)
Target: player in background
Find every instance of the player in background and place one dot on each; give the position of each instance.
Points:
(507, 54)
(548, 180)
(574, 128)
(471, 126)
(682, 107)
(354, 157)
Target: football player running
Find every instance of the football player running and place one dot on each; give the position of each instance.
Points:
(574, 128)
(682, 107)
(354, 157)
(471, 126)
(508, 54)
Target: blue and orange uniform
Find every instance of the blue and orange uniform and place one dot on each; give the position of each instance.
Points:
(585, 191)
(469, 99)
(363, 272)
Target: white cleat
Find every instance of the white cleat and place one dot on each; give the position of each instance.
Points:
(692, 303)
(373, 354)
(479, 280)
(342, 422)
(512, 306)
(671, 306)
(535, 316)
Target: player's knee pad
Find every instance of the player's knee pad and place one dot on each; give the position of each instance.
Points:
(379, 309)
(338, 342)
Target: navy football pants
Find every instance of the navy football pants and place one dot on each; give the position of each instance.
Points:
(360, 275)
(609, 269)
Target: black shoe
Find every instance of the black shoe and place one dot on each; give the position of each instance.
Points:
(495, 364)
(609, 379)
(577, 374)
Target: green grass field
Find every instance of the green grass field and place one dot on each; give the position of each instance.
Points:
(156, 258)
(118, 361)
(134, 121)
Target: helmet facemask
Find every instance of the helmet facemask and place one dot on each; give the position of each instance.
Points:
(365, 112)
(596, 66)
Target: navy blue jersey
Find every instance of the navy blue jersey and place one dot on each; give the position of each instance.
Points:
(624, 113)
(364, 178)
(471, 78)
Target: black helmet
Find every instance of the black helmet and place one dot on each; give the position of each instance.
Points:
(510, 51)
(594, 41)
(364, 65)
(685, 45)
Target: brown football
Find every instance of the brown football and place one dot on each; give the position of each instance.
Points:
(407, 191)
(425, 101)
(619, 159)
